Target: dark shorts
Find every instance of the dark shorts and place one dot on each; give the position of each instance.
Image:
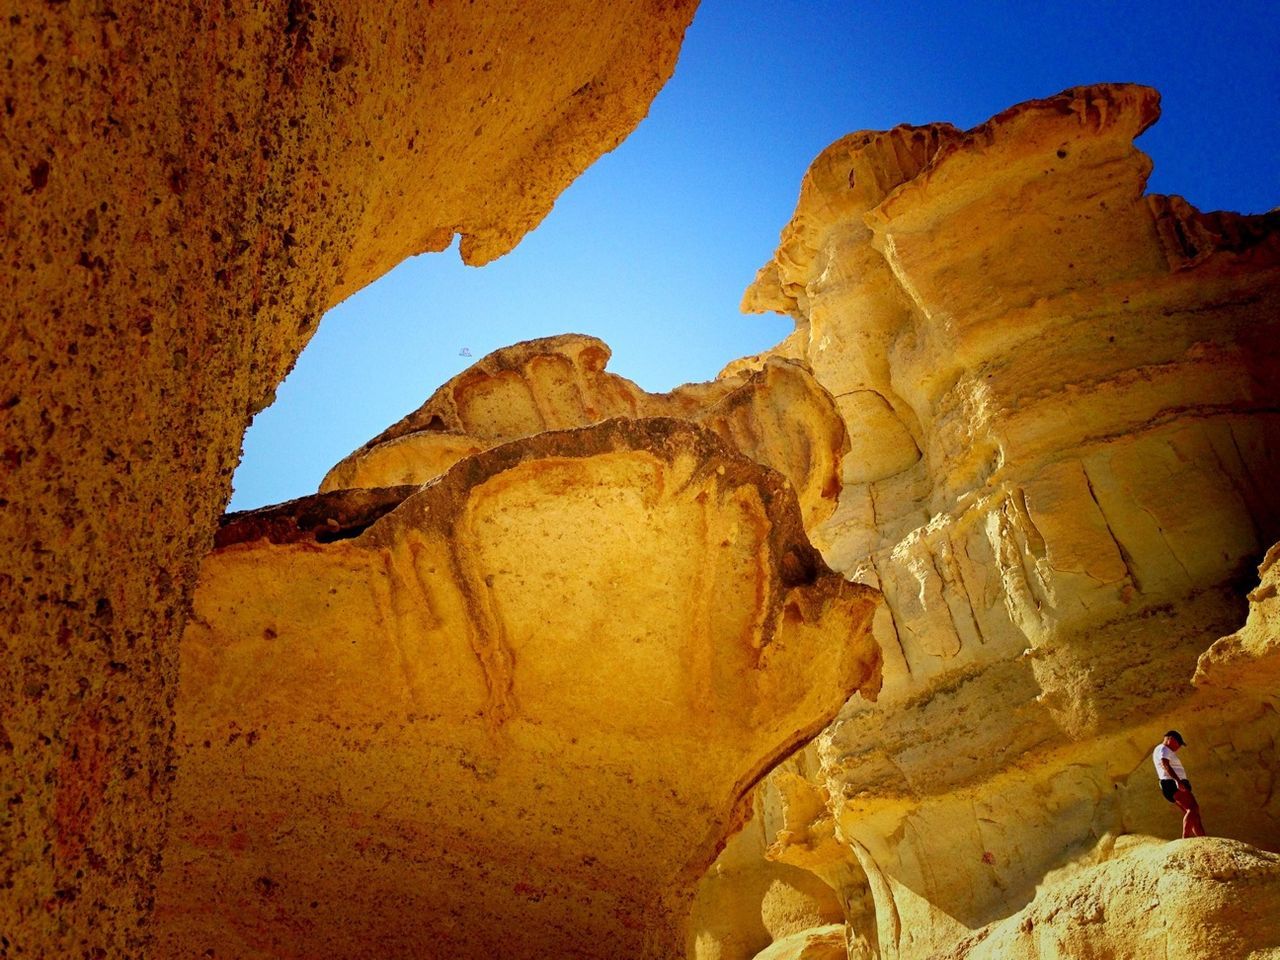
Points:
(1170, 787)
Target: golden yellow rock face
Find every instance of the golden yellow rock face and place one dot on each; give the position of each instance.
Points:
(1186, 901)
(1061, 398)
(820, 943)
(515, 715)
(777, 415)
(518, 710)
(1247, 662)
(187, 188)
(747, 902)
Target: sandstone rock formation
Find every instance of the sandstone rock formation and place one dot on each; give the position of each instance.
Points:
(1184, 901)
(1247, 662)
(1063, 405)
(186, 189)
(778, 416)
(1063, 402)
(756, 899)
(515, 715)
(820, 943)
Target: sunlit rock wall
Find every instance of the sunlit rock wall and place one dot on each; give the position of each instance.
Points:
(514, 712)
(1247, 663)
(763, 893)
(1063, 401)
(1181, 901)
(185, 189)
(778, 416)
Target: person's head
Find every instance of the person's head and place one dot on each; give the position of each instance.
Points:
(1173, 740)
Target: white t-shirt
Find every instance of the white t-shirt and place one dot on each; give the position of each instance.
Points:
(1161, 752)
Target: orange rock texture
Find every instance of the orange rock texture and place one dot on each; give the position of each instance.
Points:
(1061, 397)
(186, 188)
(507, 685)
(515, 715)
(778, 416)
(752, 901)
(1189, 900)
(1247, 662)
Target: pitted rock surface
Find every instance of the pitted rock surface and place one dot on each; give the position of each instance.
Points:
(517, 715)
(186, 188)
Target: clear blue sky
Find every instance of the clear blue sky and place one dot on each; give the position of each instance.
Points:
(652, 247)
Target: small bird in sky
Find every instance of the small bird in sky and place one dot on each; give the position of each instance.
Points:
(464, 352)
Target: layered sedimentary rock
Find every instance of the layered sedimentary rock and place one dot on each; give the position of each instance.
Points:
(777, 415)
(1063, 401)
(186, 188)
(514, 712)
(784, 879)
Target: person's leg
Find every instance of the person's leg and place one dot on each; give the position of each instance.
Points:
(1191, 823)
(1192, 820)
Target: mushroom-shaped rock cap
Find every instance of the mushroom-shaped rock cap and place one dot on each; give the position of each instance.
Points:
(514, 716)
(779, 416)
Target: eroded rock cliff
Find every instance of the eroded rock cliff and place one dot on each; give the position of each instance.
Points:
(1061, 405)
(516, 714)
(475, 714)
(186, 188)
(1063, 402)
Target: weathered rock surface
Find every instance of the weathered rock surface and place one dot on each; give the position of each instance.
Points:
(777, 415)
(747, 902)
(516, 715)
(1182, 901)
(819, 943)
(1248, 661)
(185, 189)
(1063, 401)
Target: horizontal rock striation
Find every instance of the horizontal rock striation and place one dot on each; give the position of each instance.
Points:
(777, 415)
(515, 715)
(186, 188)
(1063, 402)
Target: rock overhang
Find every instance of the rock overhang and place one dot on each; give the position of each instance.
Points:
(547, 679)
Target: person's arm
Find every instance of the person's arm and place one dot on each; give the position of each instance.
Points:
(1173, 776)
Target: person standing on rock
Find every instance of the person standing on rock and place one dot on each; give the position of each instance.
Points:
(1174, 783)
